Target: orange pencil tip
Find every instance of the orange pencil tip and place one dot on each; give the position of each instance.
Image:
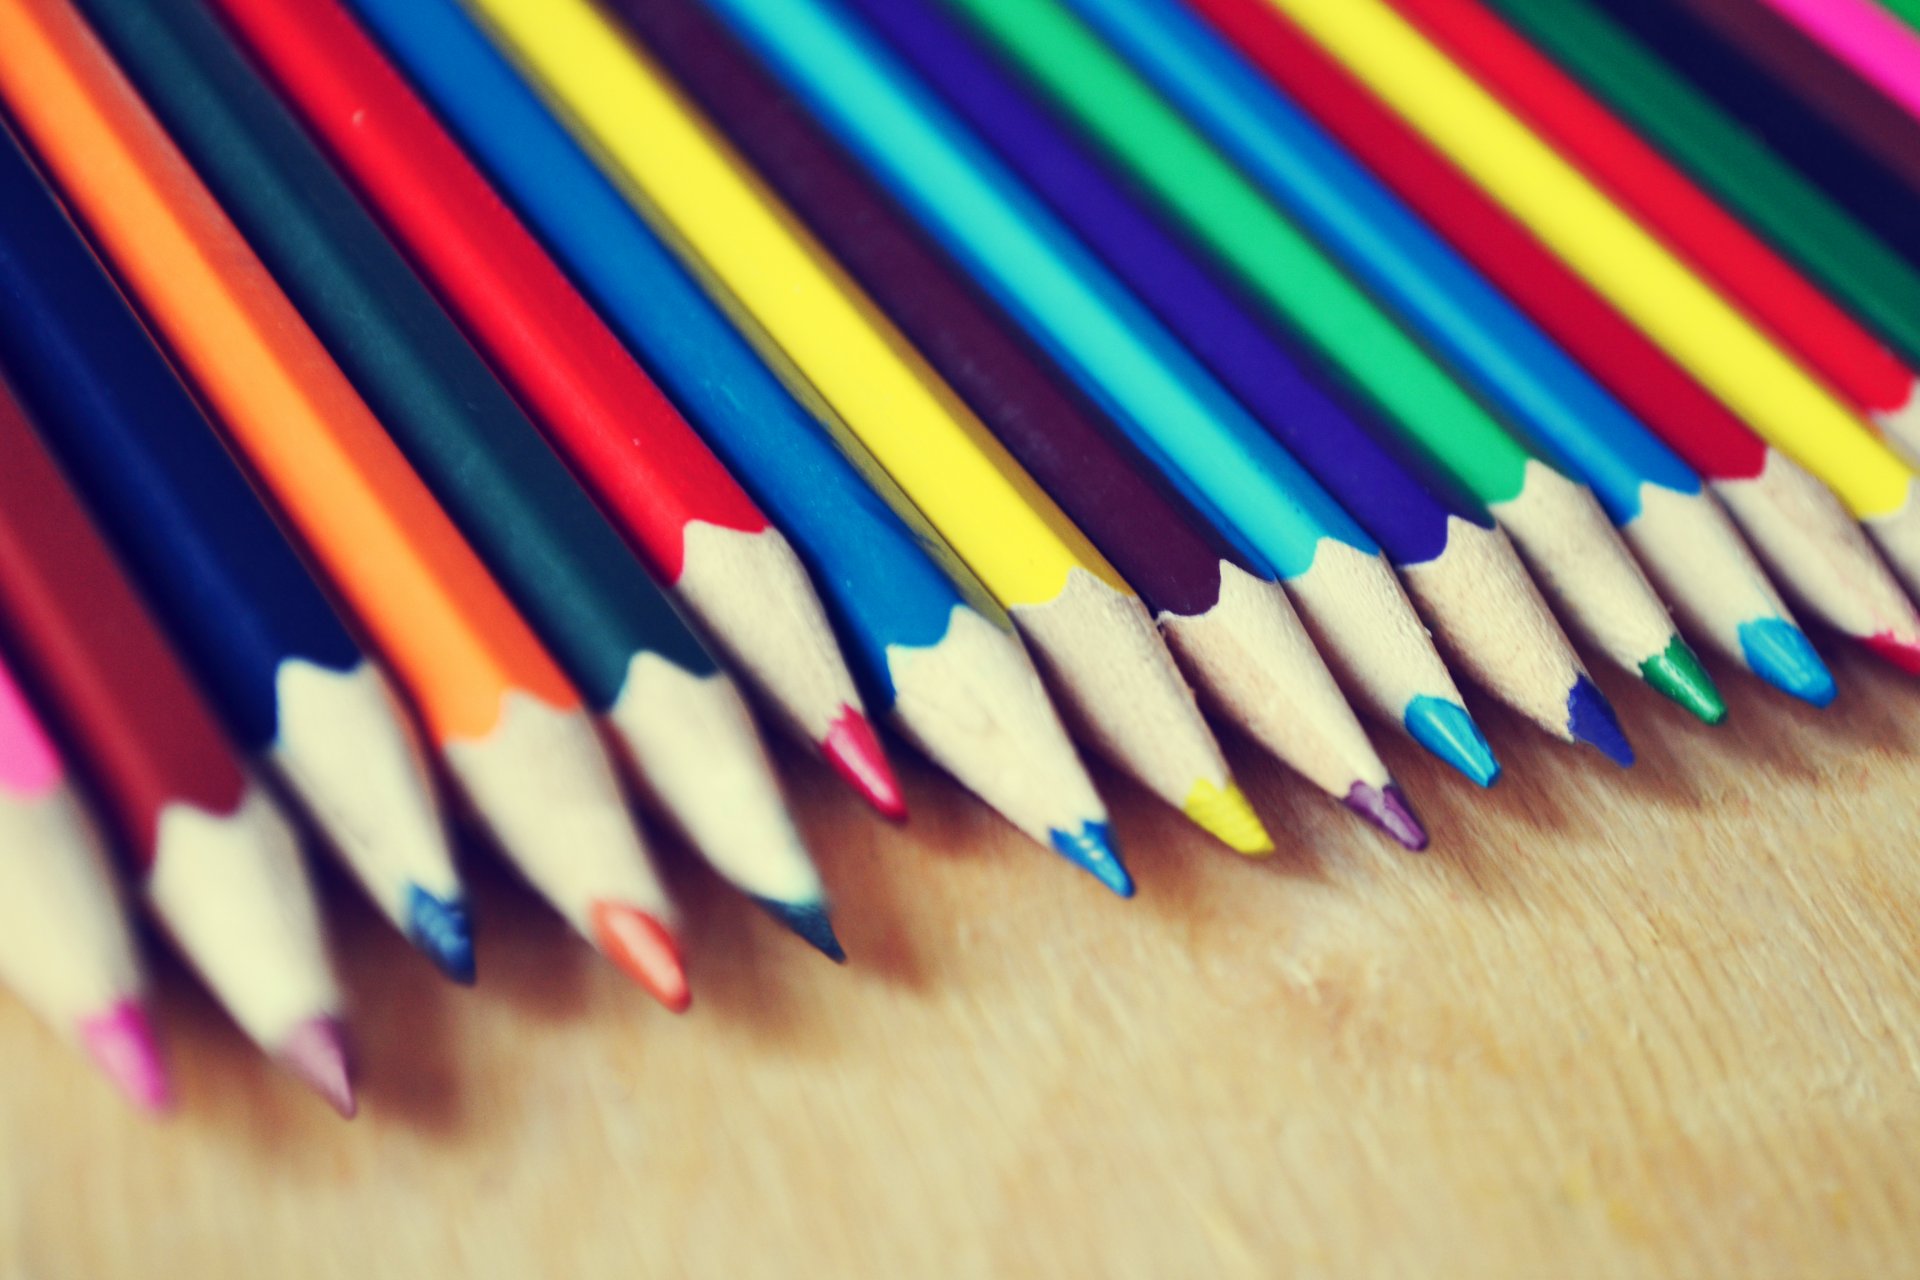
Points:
(645, 950)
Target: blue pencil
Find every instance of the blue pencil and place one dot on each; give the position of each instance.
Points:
(1467, 576)
(292, 684)
(929, 645)
(1123, 358)
(1688, 545)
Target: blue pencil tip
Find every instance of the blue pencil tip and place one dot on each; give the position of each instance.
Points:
(810, 921)
(1781, 654)
(1590, 719)
(440, 928)
(1091, 849)
(1445, 728)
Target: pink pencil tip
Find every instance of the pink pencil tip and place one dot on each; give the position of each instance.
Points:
(1904, 654)
(121, 1043)
(316, 1051)
(853, 749)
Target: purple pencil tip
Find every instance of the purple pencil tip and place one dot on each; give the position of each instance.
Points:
(316, 1051)
(1386, 808)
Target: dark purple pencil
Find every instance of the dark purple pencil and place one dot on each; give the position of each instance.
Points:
(1223, 611)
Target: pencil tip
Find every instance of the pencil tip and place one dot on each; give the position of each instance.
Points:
(1386, 808)
(810, 921)
(1676, 674)
(1590, 719)
(1448, 731)
(439, 927)
(1227, 815)
(1091, 849)
(316, 1051)
(1781, 654)
(1904, 654)
(121, 1043)
(853, 749)
(645, 950)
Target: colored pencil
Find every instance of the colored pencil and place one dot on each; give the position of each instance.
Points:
(1848, 173)
(1043, 269)
(1094, 639)
(1238, 638)
(1868, 39)
(1821, 82)
(678, 506)
(614, 631)
(216, 862)
(292, 686)
(1908, 11)
(934, 651)
(1802, 533)
(513, 732)
(1659, 504)
(1117, 352)
(1474, 591)
(1865, 276)
(65, 945)
(1665, 299)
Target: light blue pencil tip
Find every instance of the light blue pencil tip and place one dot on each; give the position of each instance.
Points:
(439, 927)
(1445, 728)
(1781, 654)
(1091, 849)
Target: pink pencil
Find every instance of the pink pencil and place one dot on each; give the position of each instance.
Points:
(1883, 50)
(65, 946)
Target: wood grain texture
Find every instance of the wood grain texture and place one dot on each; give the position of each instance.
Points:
(1662, 1022)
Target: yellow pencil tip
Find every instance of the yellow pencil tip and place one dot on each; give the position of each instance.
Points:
(1226, 814)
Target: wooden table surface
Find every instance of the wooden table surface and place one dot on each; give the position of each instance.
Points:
(1656, 1022)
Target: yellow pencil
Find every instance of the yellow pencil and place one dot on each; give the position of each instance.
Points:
(1623, 261)
(1094, 640)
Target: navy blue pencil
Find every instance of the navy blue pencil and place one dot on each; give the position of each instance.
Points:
(292, 684)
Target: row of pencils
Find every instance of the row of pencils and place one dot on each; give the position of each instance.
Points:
(418, 410)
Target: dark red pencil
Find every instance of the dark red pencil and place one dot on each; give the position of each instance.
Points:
(1230, 624)
(1806, 538)
(215, 860)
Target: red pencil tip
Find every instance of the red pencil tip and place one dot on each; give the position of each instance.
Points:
(316, 1051)
(853, 749)
(1904, 654)
(645, 950)
(121, 1043)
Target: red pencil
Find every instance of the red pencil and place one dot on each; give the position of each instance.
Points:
(215, 860)
(1772, 291)
(698, 529)
(1806, 537)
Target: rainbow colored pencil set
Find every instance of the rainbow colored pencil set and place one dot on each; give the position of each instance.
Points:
(420, 416)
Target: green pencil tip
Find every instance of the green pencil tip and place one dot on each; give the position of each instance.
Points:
(1677, 674)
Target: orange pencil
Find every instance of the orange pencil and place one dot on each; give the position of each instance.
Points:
(515, 735)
